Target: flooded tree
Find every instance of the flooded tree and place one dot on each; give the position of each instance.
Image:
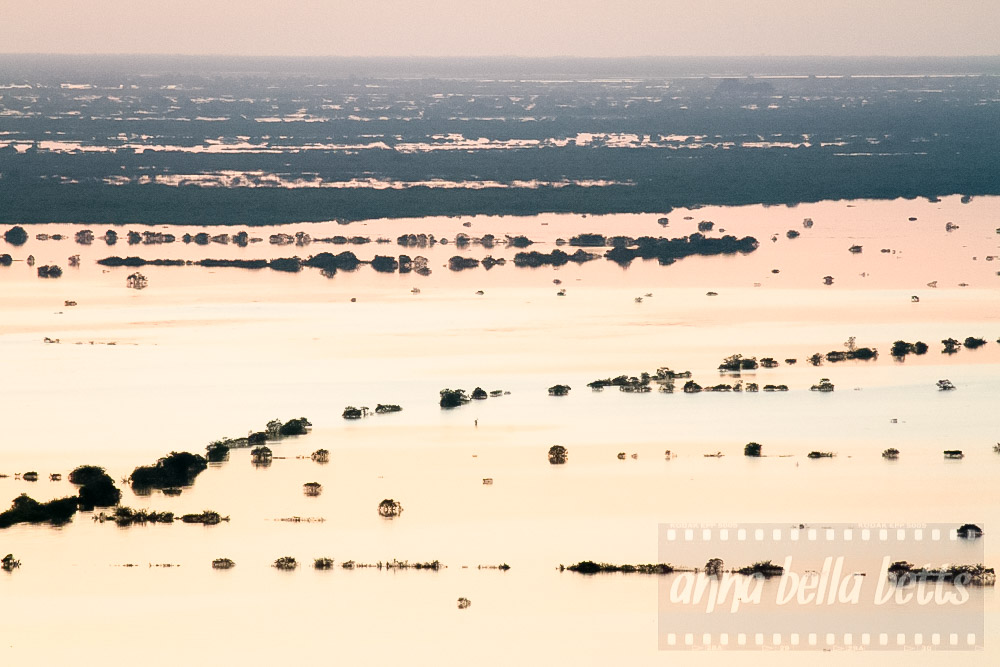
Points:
(891, 454)
(16, 236)
(175, 469)
(298, 426)
(901, 348)
(384, 263)
(824, 385)
(223, 563)
(97, 491)
(136, 281)
(323, 563)
(25, 509)
(945, 385)
(558, 455)
(763, 568)
(452, 398)
(736, 363)
(273, 429)
(321, 456)
(390, 508)
(691, 387)
(559, 390)
(261, 456)
(286, 563)
(8, 563)
(751, 449)
(969, 531)
(312, 488)
(49, 271)
(713, 568)
(217, 452)
(458, 263)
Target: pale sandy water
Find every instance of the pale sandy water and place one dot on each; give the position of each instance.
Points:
(205, 353)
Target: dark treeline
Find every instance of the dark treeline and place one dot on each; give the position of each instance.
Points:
(693, 137)
(712, 180)
(664, 250)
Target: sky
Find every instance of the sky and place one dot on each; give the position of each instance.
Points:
(597, 28)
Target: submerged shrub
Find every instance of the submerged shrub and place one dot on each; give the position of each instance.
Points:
(207, 518)
(25, 509)
(126, 516)
(762, 569)
(591, 567)
(286, 563)
(175, 469)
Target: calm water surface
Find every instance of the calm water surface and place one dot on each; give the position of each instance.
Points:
(204, 353)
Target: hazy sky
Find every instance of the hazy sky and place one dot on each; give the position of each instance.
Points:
(503, 27)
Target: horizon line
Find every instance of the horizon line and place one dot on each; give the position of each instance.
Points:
(492, 56)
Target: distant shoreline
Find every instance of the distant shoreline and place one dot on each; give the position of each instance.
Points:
(192, 206)
(496, 66)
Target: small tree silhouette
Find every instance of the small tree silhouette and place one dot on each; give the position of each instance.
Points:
(558, 455)
(390, 508)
